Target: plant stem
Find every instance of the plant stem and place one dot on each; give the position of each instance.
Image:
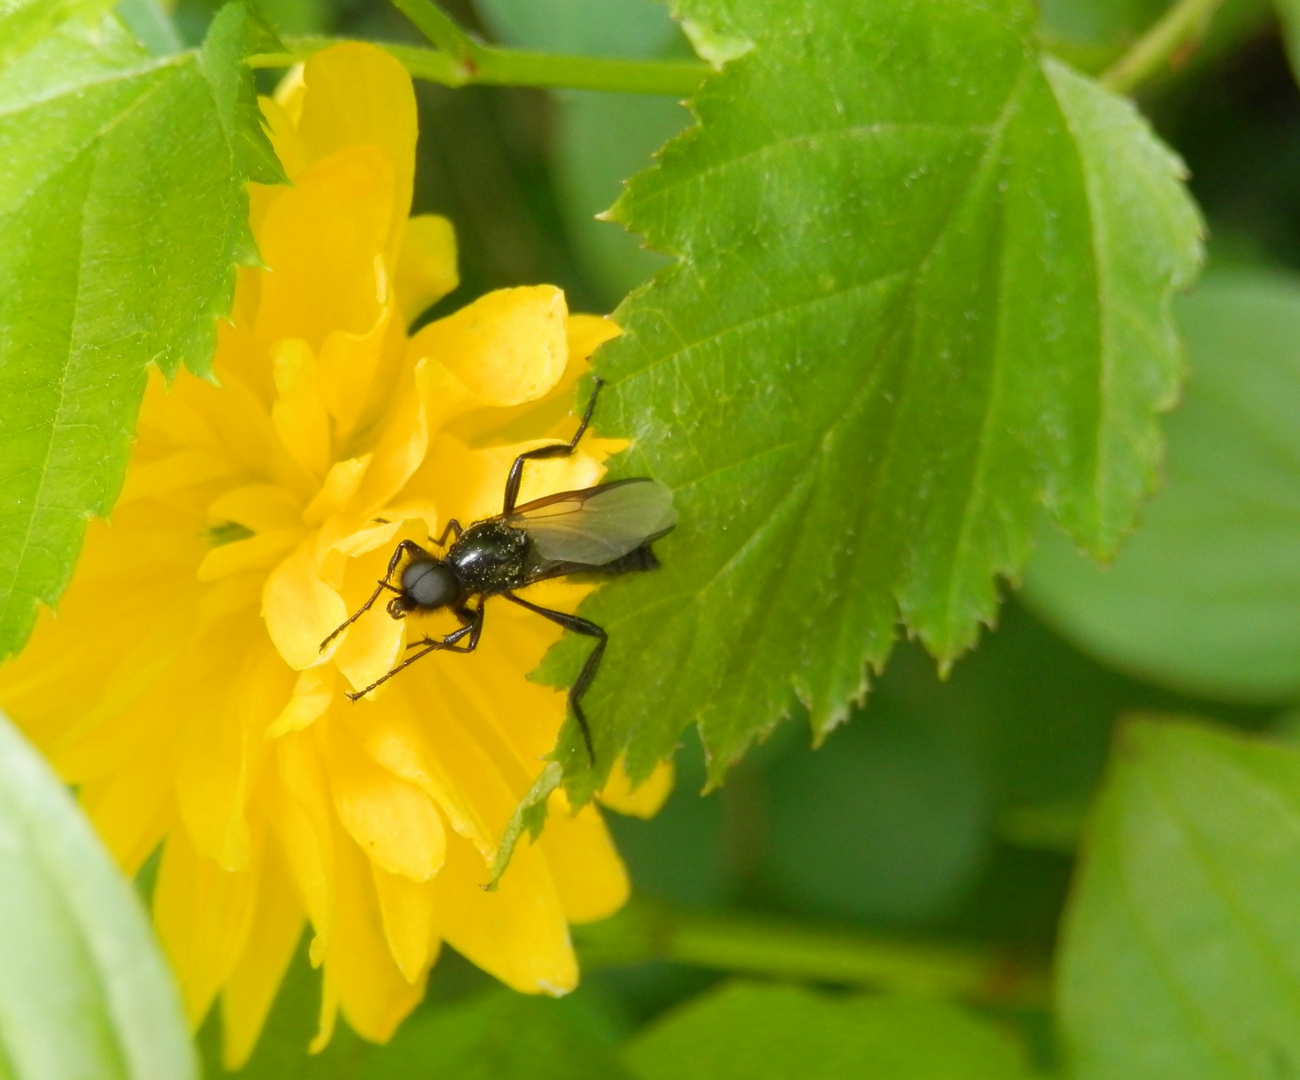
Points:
(1183, 24)
(441, 29)
(772, 948)
(506, 67)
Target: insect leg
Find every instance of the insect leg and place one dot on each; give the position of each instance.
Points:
(451, 643)
(405, 547)
(453, 526)
(468, 616)
(588, 672)
(555, 450)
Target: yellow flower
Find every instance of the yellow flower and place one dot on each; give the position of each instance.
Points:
(182, 686)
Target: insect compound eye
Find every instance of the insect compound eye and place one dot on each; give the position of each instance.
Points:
(429, 584)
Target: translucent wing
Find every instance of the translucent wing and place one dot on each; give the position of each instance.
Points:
(597, 525)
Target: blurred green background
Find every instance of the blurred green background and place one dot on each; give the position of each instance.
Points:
(947, 810)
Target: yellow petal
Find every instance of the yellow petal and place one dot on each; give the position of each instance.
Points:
(95, 717)
(588, 873)
(131, 809)
(272, 939)
(364, 541)
(341, 484)
(445, 397)
(312, 695)
(473, 481)
(586, 333)
(406, 908)
(517, 932)
(506, 348)
(281, 114)
(514, 720)
(259, 552)
(221, 754)
(171, 416)
(441, 759)
(394, 823)
(304, 819)
(351, 362)
(300, 610)
(299, 415)
(177, 471)
(551, 414)
(400, 450)
(643, 800)
(203, 915)
(325, 240)
(358, 95)
(359, 967)
(426, 267)
(258, 507)
(375, 642)
(329, 1007)
(241, 427)
(373, 646)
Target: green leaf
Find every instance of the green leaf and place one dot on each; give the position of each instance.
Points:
(24, 23)
(759, 1032)
(922, 289)
(496, 1036)
(892, 823)
(122, 215)
(151, 25)
(84, 991)
(1181, 953)
(1206, 596)
(529, 816)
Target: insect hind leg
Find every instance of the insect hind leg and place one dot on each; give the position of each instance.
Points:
(588, 673)
(555, 450)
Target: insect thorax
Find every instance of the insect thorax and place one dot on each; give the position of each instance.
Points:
(490, 557)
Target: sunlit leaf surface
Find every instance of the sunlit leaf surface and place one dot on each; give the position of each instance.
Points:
(922, 289)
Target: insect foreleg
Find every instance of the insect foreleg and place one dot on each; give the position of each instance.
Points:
(403, 548)
(588, 672)
(451, 643)
(556, 450)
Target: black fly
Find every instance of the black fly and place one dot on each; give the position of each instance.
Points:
(607, 529)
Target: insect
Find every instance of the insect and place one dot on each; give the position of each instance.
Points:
(606, 529)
